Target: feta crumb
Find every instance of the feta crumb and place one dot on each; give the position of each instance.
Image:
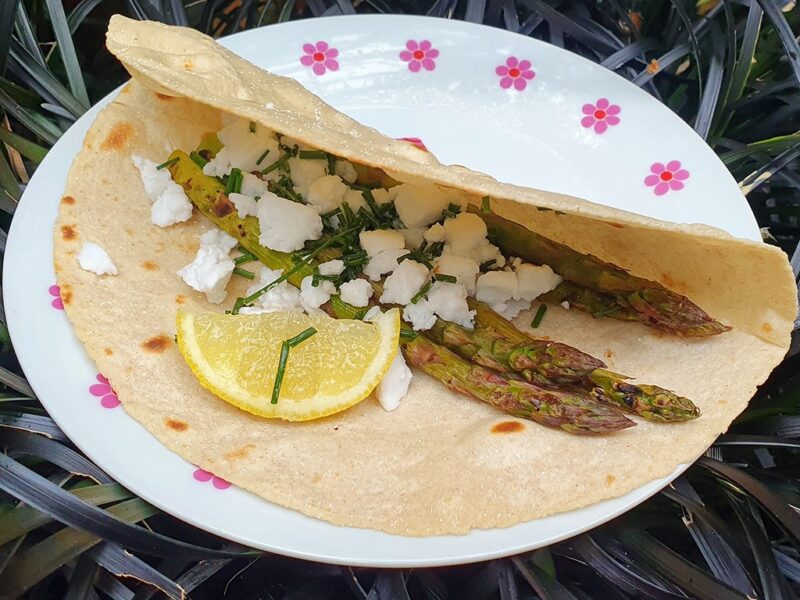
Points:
(220, 165)
(465, 270)
(171, 207)
(306, 171)
(381, 195)
(252, 186)
(565, 304)
(535, 280)
(94, 258)
(280, 297)
(356, 292)
(244, 147)
(326, 193)
(435, 234)
(211, 268)
(355, 199)
(449, 301)
(285, 225)
(403, 284)
(482, 253)
(420, 315)
(496, 288)
(313, 297)
(373, 313)
(345, 170)
(246, 206)
(383, 262)
(413, 237)
(155, 181)
(394, 385)
(375, 242)
(332, 267)
(464, 232)
(421, 205)
(513, 308)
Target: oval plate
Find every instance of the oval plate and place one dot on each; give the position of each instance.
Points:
(521, 110)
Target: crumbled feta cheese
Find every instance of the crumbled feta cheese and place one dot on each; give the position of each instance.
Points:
(211, 268)
(449, 301)
(383, 262)
(464, 232)
(436, 233)
(171, 207)
(95, 259)
(354, 199)
(465, 270)
(245, 147)
(421, 205)
(285, 225)
(373, 313)
(326, 193)
(420, 315)
(345, 170)
(406, 280)
(356, 292)
(374, 242)
(246, 206)
(394, 385)
(306, 171)
(313, 297)
(496, 288)
(535, 280)
(220, 165)
(482, 253)
(513, 308)
(252, 186)
(332, 267)
(283, 296)
(381, 196)
(170, 204)
(413, 237)
(217, 237)
(565, 304)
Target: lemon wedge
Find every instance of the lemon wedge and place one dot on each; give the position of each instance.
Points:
(236, 358)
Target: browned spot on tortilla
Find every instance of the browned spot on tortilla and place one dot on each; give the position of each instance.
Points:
(610, 479)
(766, 328)
(175, 424)
(164, 97)
(180, 299)
(150, 265)
(508, 427)
(128, 230)
(543, 337)
(617, 225)
(240, 228)
(223, 206)
(117, 137)
(609, 353)
(188, 65)
(68, 200)
(108, 351)
(66, 294)
(126, 90)
(667, 281)
(239, 453)
(316, 478)
(68, 232)
(156, 344)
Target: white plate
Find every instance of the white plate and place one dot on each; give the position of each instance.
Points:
(538, 136)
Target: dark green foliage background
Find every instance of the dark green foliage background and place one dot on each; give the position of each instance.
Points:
(729, 528)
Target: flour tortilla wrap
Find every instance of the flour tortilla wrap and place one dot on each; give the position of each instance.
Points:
(434, 466)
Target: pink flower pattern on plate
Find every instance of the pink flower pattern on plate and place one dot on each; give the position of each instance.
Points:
(204, 476)
(56, 302)
(320, 57)
(601, 115)
(419, 55)
(515, 73)
(416, 141)
(103, 390)
(665, 178)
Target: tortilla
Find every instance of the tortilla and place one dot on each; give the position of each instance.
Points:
(441, 463)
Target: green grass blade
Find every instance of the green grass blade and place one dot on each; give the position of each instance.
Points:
(286, 11)
(28, 149)
(772, 9)
(8, 378)
(26, 34)
(748, 49)
(23, 96)
(24, 518)
(123, 564)
(8, 10)
(81, 579)
(35, 122)
(80, 12)
(544, 584)
(10, 185)
(66, 48)
(774, 145)
(710, 95)
(41, 559)
(36, 423)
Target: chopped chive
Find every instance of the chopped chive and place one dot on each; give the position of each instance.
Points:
(252, 126)
(234, 184)
(485, 207)
(246, 256)
(451, 211)
(487, 265)
(238, 304)
(262, 157)
(537, 318)
(408, 335)
(347, 213)
(198, 160)
(333, 213)
(243, 273)
(331, 164)
(446, 278)
(168, 163)
(368, 216)
(421, 294)
(280, 163)
(312, 154)
(285, 347)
